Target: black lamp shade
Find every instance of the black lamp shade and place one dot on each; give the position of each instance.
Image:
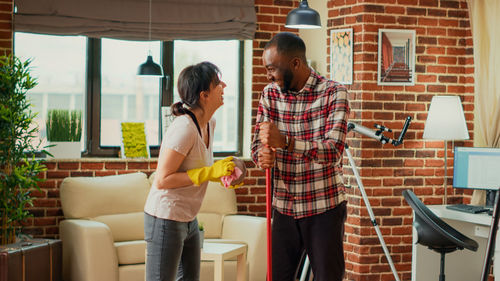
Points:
(150, 68)
(303, 17)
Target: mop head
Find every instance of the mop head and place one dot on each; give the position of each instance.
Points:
(235, 179)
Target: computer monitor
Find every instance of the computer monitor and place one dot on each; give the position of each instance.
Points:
(477, 168)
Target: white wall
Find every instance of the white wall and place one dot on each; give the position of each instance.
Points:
(316, 39)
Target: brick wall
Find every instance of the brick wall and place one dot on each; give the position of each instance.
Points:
(444, 66)
(5, 26)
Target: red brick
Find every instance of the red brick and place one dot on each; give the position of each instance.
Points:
(92, 166)
(138, 165)
(57, 174)
(68, 165)
(115, 165)
(426, 78)
(436, 88)
(44, 203)
(82, 174)
(105, 173)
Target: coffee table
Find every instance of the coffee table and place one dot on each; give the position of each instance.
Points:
(220, 252)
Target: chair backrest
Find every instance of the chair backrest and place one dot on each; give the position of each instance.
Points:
(117, 201)
(218, 203)
(87, 197)
(432, 231)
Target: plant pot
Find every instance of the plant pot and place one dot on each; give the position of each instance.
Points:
(202, 238)
(65, 149)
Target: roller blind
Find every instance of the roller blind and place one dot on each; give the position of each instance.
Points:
(129, 19)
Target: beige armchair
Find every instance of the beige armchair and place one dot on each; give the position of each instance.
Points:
(103, 230)
(103, 233)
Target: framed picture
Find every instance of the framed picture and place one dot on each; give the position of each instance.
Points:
(134, 143)
(341, 53)
(396, 57)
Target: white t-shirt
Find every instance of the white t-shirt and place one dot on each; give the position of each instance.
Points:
(182, 203)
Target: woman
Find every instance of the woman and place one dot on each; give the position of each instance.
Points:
(182, 175)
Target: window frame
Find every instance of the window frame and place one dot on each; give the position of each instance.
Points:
(166, 97)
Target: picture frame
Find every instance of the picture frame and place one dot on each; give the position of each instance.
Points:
(396, 57)
(134, 142)
(341, 55)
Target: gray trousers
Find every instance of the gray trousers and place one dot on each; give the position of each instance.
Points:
(173, 249)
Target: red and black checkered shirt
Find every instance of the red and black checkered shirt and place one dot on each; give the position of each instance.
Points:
(307, 181)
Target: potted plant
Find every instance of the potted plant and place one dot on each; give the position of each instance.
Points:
(64, 131)
(202, 233)
(19, 169)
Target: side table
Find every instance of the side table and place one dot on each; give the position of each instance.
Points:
(220, 252)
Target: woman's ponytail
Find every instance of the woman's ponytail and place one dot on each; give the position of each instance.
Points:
(178, 109)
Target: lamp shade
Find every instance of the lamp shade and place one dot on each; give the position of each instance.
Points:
(150, 68)
(446, 120)
(303, 17)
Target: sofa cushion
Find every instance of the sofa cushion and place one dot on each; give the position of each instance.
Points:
(124, 227)
(219, 200)
(133, 272)
(218, 203)
(88, 197)
(131, 252)
(212, 224)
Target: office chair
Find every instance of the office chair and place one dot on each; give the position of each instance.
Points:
(434, 233)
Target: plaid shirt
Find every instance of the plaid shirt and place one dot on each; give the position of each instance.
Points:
(307, 181)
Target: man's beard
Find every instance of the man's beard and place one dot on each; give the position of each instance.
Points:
(287, 80)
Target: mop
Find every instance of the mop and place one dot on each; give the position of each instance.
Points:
(268, 222)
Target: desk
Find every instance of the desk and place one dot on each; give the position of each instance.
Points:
(461, 265)
(219, 252)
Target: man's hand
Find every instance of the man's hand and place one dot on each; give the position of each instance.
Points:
(270, 135)
(266, 157)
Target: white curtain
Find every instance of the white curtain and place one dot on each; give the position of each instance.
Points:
(483, 15)
(486, 37)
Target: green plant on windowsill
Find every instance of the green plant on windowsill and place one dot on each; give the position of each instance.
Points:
(64, 131)
(64, 125)
(19, 170)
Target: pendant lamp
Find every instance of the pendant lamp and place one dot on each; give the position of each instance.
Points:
(150, 67)
(303, 17)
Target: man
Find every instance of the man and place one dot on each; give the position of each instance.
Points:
(300, 133)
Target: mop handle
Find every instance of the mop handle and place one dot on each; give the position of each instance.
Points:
(268, 221)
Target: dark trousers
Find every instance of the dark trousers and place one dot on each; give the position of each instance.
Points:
(320, 236)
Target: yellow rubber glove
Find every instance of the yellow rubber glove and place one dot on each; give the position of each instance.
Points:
(235, 186)
(219, 169)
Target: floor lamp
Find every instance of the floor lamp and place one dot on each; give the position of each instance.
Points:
(446, 121)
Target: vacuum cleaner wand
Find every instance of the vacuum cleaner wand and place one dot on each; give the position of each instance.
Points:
(378, 134)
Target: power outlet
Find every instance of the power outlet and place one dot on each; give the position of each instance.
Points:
(482, 231)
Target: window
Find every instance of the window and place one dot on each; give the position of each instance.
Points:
(58, 63)
(126, 97)
(225, 55)
(98, 76)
